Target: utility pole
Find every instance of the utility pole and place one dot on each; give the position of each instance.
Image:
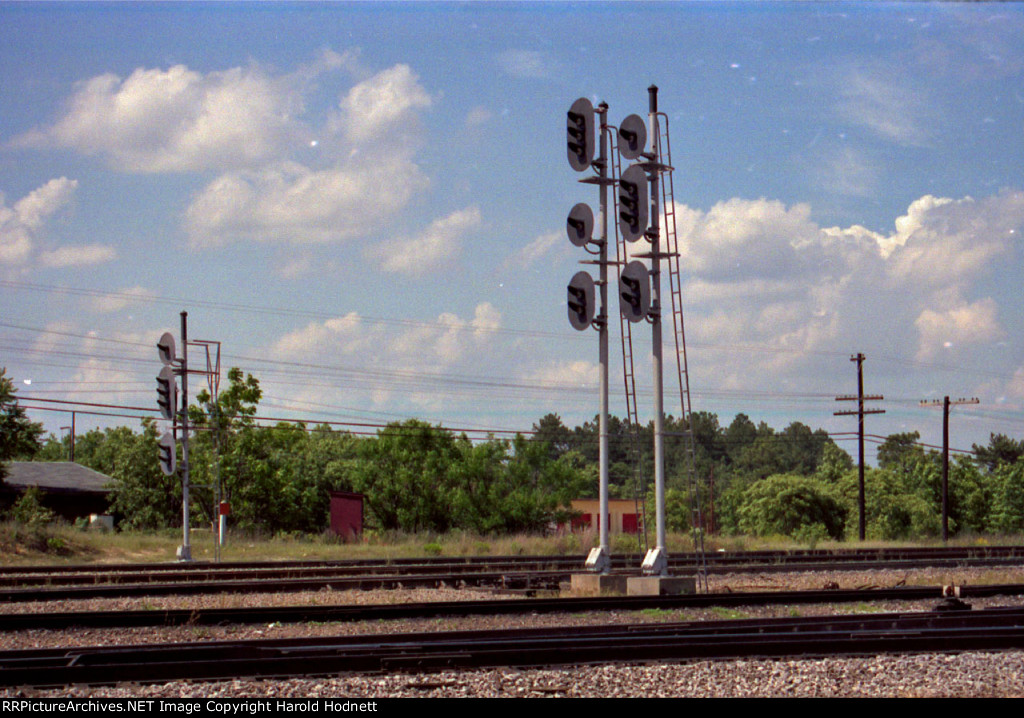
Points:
(945, 404)
(860, 412)
(71, 438)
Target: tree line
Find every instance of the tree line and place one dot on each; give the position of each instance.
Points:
(749, 478)
(752, 479)
(278, 479)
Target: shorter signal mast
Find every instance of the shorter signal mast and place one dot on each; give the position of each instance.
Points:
(177, 413)
(167, 400)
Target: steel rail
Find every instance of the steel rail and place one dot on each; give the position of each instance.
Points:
(439, 609)
(432, 564)
(529, 581)
(821, 636)
(544, 573)
(542, 580)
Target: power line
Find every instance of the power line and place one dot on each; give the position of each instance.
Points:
(148, 411)
(466, 326)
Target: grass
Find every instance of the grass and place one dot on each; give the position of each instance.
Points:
(664, 614)
(727, 613)
(64, 544)
(862, 608)
(17, 546)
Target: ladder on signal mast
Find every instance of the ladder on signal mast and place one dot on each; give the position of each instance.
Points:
(663, 147)
(628, 371)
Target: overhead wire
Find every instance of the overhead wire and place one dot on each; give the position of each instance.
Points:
(146, 412)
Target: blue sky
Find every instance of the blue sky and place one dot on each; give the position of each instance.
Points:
(365, 204)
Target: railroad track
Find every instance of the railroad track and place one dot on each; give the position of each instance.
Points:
(85, 573)
(515, 572)
(439, 609)
(990, 629)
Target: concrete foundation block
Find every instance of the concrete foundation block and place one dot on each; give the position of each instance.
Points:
(598, 584)
(660, 585)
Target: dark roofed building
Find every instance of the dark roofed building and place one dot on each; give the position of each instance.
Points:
(70, 490)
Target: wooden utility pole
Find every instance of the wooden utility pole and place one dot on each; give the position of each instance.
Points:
(945, 404)
(860, 412)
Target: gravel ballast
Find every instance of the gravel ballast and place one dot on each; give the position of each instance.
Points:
(976, 674)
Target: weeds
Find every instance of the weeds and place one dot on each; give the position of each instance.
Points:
(728, 614)
(661, 614)
(35, 541)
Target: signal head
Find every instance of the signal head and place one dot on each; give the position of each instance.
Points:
(167, 392)
(168, 454)
(632, 137)
(579, 225)
(635, 291)
(633, 209)
(582, 305)
(580, 138)
(165, 348)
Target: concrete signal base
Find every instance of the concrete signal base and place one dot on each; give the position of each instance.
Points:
(598, 584)
(660, 585)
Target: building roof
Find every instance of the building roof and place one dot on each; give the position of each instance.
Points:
(57, 476)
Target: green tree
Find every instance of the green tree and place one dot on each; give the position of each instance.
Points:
(795, 450)
(551, 431)
(970, 496)
(539, 491)
(1007, 514)
(224, 450)
(898, 504)
(418, 477)
(740, 434)
(900, 452)
(1001, 450)
(405, 475)
(834, 464)
(19, 437)
(785, 504)
(142, 496)
(29, 510)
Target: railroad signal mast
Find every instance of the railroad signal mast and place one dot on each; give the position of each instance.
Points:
(583, 291)
(639, 217)
(177, 413)
(640, 201)
(167, 400)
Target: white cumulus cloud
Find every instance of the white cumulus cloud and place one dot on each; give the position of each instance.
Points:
(975, 323)
(384, 105)
(290, 202)
(437, 247)
(23, 231)
(757, 272)
(369, 174)
(77, 256)
(381, 364)
(177, 119)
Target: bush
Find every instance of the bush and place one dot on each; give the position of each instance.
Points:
(811, 535)
(783, 504)
(29, 510)
(625, 544)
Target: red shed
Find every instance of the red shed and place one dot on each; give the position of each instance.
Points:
(346, 514)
